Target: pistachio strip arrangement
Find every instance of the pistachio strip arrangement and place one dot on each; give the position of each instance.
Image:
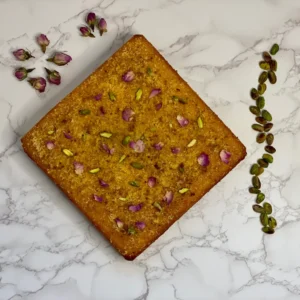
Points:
(53, 76)
(263, 127)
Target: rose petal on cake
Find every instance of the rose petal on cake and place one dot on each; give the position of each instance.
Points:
(78, 167)
(98, 97)
(97, 198)
(67, 135)
(108, 150)
(128, 76)
(140, 225)
(158, 146)
(168, 197)
(225, 156)
(158, 106)
(103, 183)
(135, 208)
(119, 223)
(203, 159)
(154, 93)
(50, 145)
(182, 121)
(137, 146)
(175, 150)
(151, 181)
(128, 114)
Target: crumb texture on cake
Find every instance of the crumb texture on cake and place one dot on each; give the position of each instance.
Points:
(96, 106)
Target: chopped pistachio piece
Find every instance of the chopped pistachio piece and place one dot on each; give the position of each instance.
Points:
(134, 183)
(112, 96)
(123, 199)
(106, 134)
(182, 101)
(175, 98)
(157, 205)
(200, 122)
(153, 129)
(131, 230)
(84, 112)
(138, 94)
(192, 143)
(122, 158)
(67, 152)
(137, 165)
(149, 71)
(84, 136)
(184, 190)
(51, 132)
(94, 171)
(126, 140)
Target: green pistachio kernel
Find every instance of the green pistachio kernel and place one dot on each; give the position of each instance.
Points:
(122, 158)
(134, 183)
(137, 165)
(112, 96)
(84, 112)
(200, 122)
(67, 152)
(274, 49)
(126, 140)
(184, 190)
(138, 94)
(94, 171)
(106, 134)
(157, 205)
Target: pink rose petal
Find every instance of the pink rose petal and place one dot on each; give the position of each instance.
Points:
(50, 145)
(151, 181)
(140, 225)
(119, 223)
(98, 97)
(158, 146)
(154, 93)
(67, 135)
(158, 106)
(182, 121)
(97, 198)
(137, 146)
(168, 197)
(108, 150)
(203, 159)
(103, 183)
(135, 208)
(175, 150)
(225, 156)
(128, 114)
(78, 167)
(128, 76)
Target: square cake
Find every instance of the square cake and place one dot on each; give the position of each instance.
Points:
(133, 147)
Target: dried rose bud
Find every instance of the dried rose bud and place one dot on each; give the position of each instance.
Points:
(67, 135)
(91, 20)
(168, 197)
(140, 225)
(102, 26)
(108, 150)
(79, 168)
(128, 114)
(22, 55)
(98, 97)
(135, 208)
(53, 76)
(154, 92)
(102, 111)
(158, 106)
(86, 32)
(60, 59)
(38, 83)
(203, 159)
(128, 76)
(225, 156)
(43, 41)
(22, 73)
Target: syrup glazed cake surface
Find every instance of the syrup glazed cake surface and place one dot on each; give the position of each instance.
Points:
(134, 147)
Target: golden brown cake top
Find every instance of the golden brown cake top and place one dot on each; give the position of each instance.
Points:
(133, 147)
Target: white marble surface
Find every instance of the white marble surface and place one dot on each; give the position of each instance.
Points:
(216, 251)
